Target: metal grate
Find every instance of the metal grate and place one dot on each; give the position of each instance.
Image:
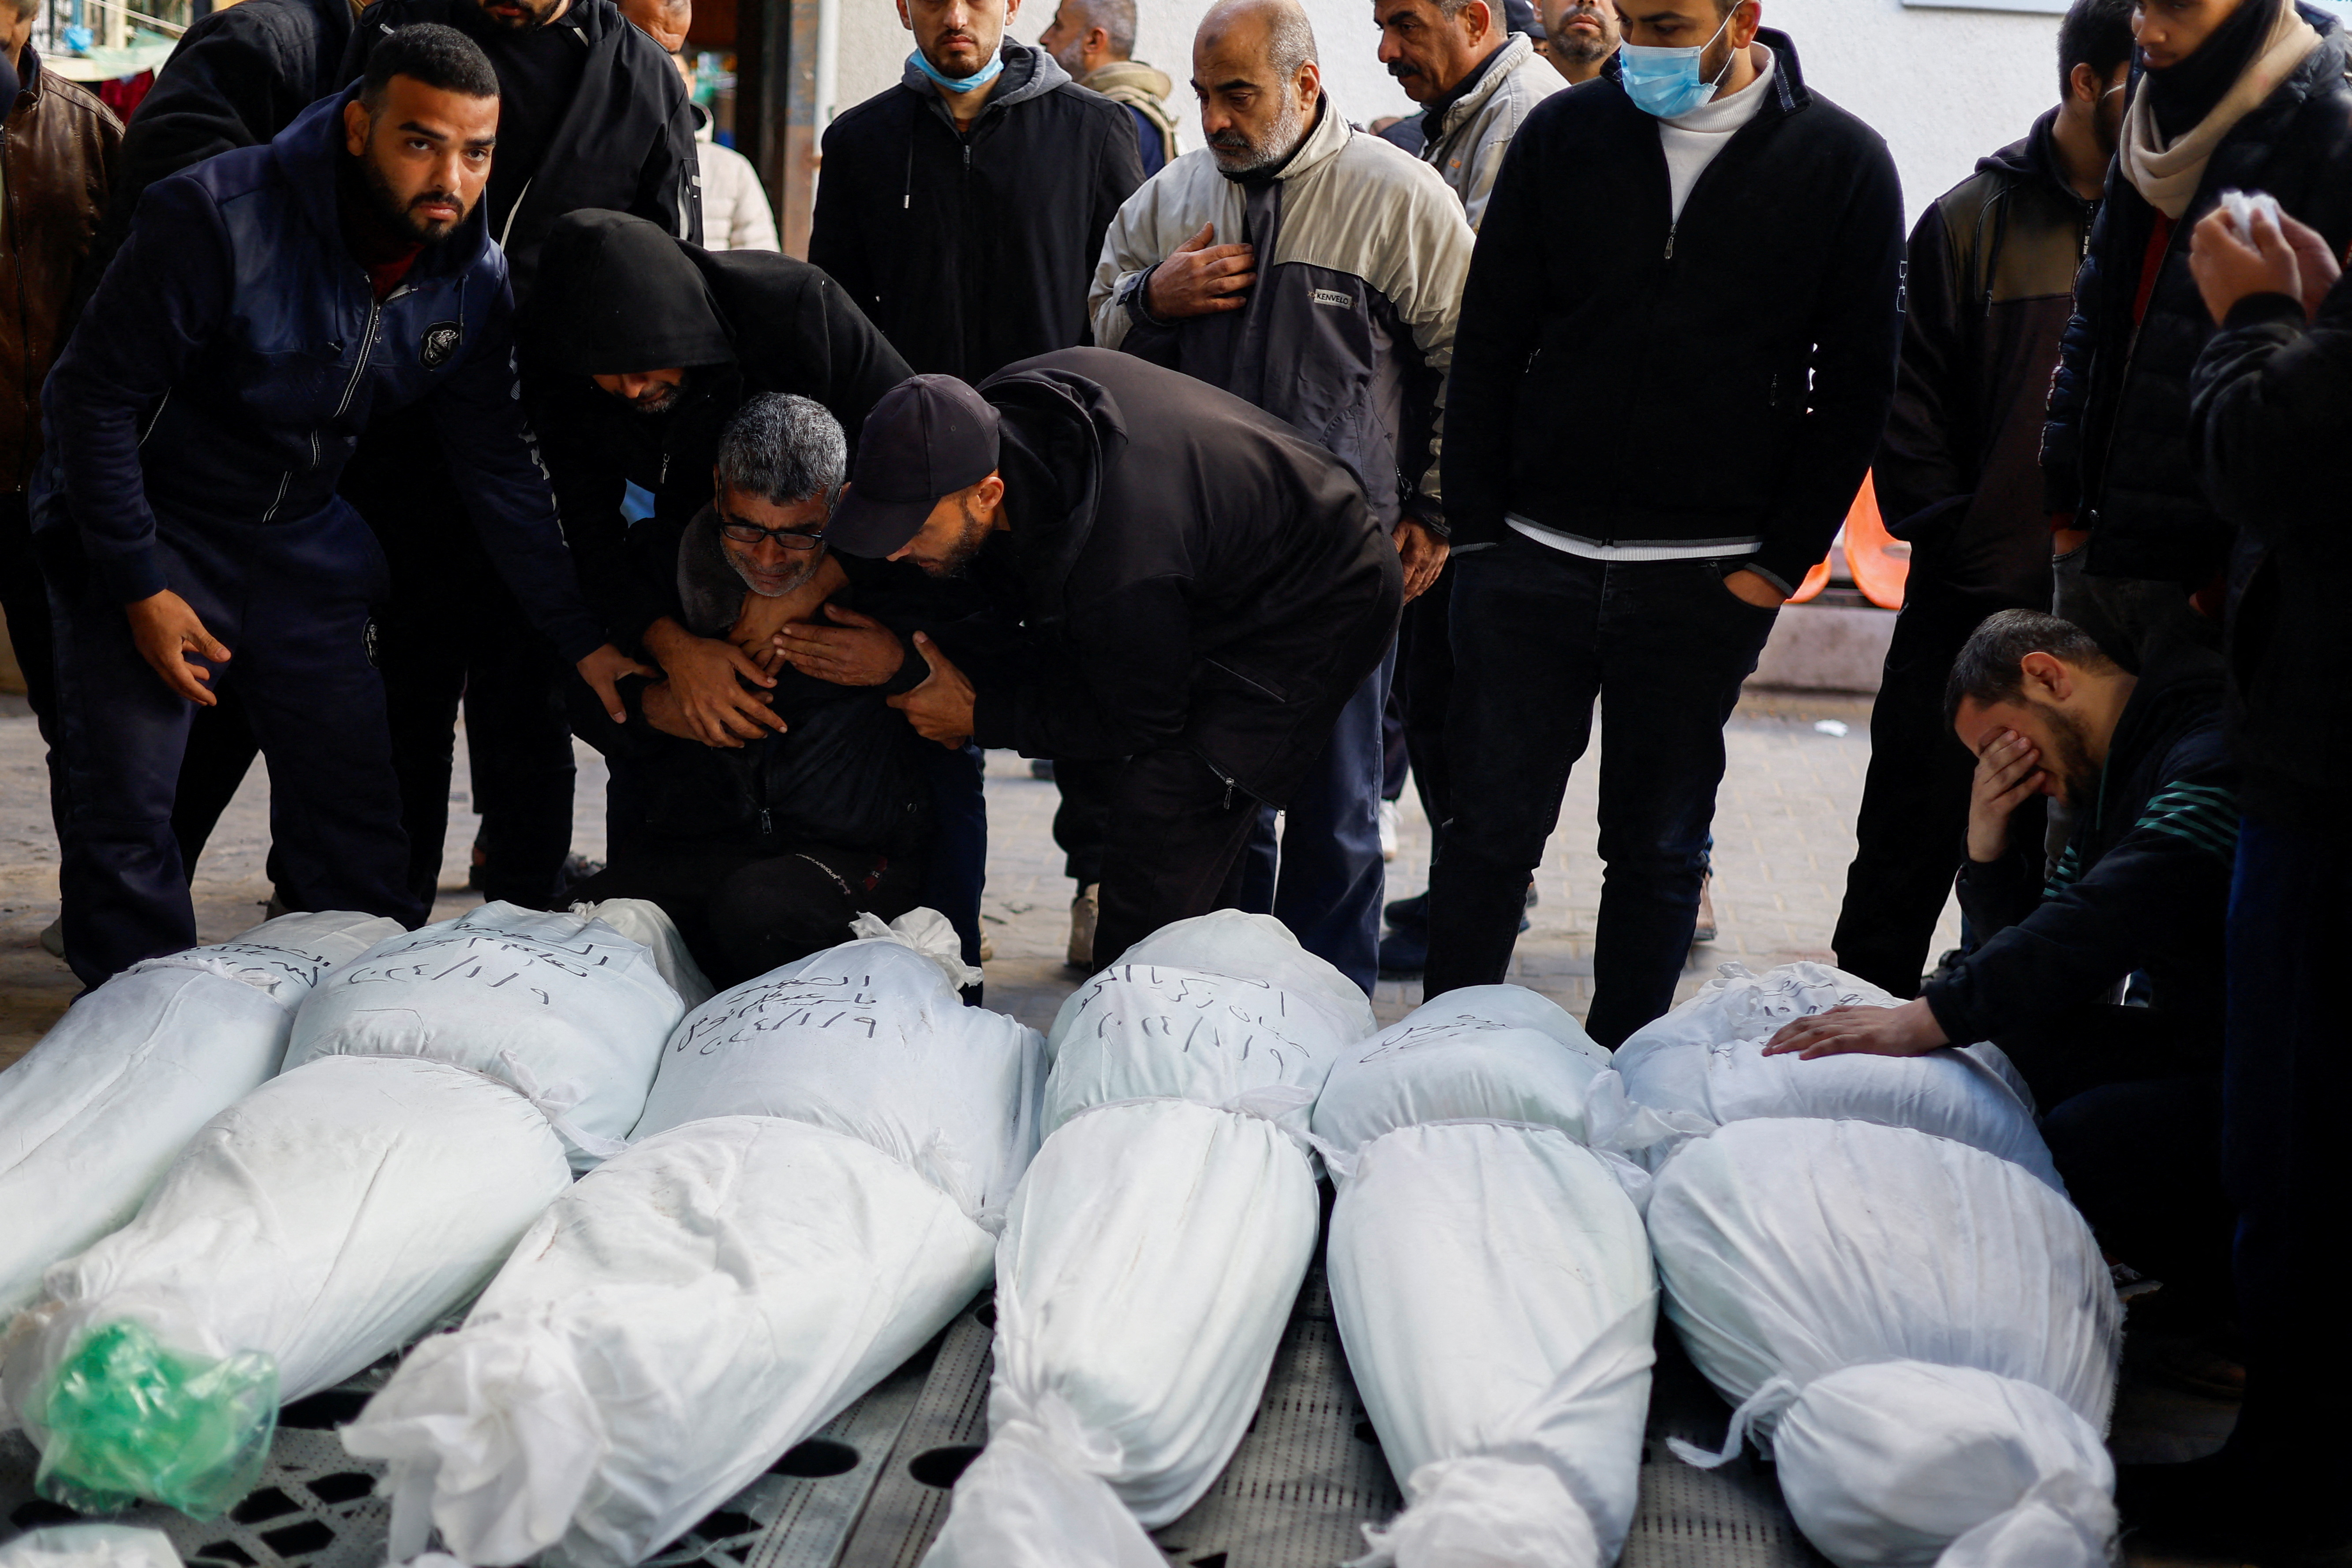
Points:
(871, 1488)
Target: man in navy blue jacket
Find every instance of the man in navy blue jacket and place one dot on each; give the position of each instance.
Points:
(267, 304)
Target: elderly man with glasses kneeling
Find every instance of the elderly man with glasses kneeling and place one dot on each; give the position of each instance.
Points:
(764, 849)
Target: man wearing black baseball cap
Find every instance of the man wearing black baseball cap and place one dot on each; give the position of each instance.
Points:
(1177, 582)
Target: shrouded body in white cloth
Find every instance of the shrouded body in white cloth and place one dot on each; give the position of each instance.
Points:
(800, 1212)
(693, 1308)
(89, 1546)
(561, 1007)
(1491, 1285)
(1151, 1254)
(323, 1221)
(91, 1118)
(1703, 1064)
(1922, 1334)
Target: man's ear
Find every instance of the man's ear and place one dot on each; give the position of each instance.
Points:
(989, 494)
(2047, 673)
(1310, 82)
(2083, 83)
(355, 127)
(1477, 19)
(905, 20)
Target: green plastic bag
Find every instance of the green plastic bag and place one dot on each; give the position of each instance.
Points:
(128, 1419)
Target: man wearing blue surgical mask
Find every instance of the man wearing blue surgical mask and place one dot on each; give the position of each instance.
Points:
(1713, 256)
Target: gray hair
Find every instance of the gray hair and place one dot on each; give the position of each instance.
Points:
(1289, 36)
(784, 449)
(1117, 19)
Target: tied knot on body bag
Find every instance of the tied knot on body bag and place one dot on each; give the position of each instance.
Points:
(557, 1101)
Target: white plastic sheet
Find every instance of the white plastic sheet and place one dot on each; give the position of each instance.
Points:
(648, 924)
(1483, 1053)
(1493, 1288)
(89, 1546)
(1703, 1064)
(691, 1309)
(1151, 1254)
(323, 1221)
(870, 1039)
(90, 1117)
(1923, 1334)
(560, 1006)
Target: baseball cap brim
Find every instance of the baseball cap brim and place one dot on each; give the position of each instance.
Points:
(864, 526)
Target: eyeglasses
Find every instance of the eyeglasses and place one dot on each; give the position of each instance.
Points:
(790, 539)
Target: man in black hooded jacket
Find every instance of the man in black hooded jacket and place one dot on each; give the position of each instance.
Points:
(1178, 582)
(2247, 96)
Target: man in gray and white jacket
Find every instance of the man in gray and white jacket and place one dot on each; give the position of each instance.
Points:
(1475, 82)
(1314, 272)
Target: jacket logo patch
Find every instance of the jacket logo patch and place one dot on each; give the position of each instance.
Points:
(438, 344)
(1339, 296)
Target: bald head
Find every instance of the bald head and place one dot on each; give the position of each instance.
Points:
(1254, 73)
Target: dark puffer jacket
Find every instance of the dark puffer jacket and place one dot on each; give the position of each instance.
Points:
(2273, 427)
(2117, 452)
(972, 251)
(1990, 289)
(2144, 884)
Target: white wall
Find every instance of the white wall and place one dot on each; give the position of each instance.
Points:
(1944, 86)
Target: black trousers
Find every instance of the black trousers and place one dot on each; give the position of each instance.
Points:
(1171, 846)
(742, 914)
(1425, 690)
(1911, 832)
(1539, 636)
(2132, 1112)
(1082, 821)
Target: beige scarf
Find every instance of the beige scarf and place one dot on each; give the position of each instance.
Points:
(2168, 176)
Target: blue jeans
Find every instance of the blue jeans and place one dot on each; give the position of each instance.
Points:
(1538, 636)
(1327, 881)
(2283, 1091)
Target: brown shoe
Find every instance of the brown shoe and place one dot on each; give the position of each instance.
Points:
(1704, 930)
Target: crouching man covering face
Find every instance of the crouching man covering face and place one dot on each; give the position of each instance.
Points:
(762, 851)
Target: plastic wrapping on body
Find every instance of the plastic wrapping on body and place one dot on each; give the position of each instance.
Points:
(323, 1221)
(1878, 1291)
(91, 1118)
(89, 1546)
(648, 924)
(1219, 1009)
(694, 1307)
(1703, 1064)
(870, 1039)
(1147, 1268)
(1483, 1053)
(1493, 1290)
(1151, 1253)
(561, 1007)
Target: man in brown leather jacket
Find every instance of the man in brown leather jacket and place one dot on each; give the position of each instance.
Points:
(57, 160)
(1958, 474)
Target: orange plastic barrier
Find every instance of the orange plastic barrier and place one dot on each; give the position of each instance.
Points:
(1878, 563)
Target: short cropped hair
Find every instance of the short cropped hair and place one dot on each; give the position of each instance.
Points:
(429, 52)
(1117, 19)
(2096, 33)
(1991, 665)
(784, 449)
(1289, 40)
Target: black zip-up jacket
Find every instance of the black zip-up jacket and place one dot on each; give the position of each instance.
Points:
(235, 79)
(1182, 570)
(2144, 884)
(2117, 452)
(1687, 346)
(1988, 294)
(618, 295)
(2273, 427)
(972, 251)
(626, 142)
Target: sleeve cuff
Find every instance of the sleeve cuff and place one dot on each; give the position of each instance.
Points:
(576, 637)
(2257, 309)
(1138, 293)
(1950, 1016)
(913, 671)
(132, 575)
(994, 720)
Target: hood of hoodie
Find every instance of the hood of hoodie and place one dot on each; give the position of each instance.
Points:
(2032, 156)
(1060, 434)
(1029, 72)
(618, 295)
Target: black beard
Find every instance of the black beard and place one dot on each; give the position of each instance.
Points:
(400, 216)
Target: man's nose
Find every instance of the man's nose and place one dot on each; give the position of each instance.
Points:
(1389, 53)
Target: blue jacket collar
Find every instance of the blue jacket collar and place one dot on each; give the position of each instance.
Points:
(309, 154)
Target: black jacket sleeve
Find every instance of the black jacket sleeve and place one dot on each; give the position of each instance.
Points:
(2062, 426)
(590, 481)
(2090, 935)
(837, 241)
(1856, 330)
(1122, 695)
(845, 353)
(669, 186)
(1924, 468)
(1490, 350)
(2272, 403)
(1118, 173)
(235, 79)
